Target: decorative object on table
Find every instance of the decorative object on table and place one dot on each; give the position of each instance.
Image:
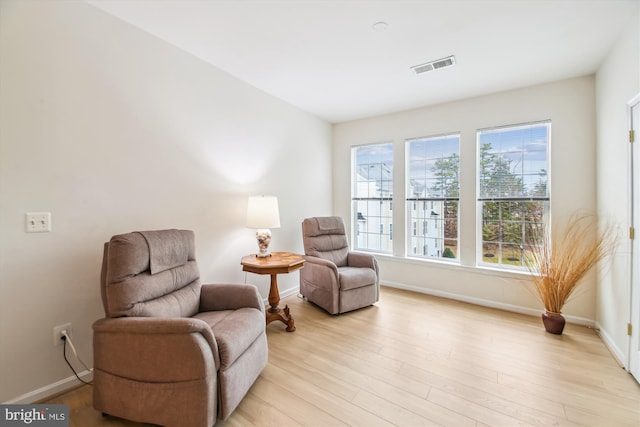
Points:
(559, 261)
(334, 277)
(263, 214)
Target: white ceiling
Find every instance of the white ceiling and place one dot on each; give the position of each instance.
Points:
(325, 58)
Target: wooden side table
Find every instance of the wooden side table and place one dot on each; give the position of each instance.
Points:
(277, 263)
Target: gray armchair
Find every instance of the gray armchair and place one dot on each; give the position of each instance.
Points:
(171, 351)
(333, 277)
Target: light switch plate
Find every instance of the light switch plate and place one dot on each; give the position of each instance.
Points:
(37, 222)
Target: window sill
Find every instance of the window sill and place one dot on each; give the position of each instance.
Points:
(480, 269)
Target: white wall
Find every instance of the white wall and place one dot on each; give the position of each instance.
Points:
(617, 81)
(112, 130)
(570, 104)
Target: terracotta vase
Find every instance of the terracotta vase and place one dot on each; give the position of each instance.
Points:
(553, 322)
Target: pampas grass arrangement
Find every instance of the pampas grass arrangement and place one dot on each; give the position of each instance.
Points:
(559, 261)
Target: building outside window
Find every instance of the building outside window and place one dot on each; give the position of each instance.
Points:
(371, 195)
(513, 191)
(432, 192)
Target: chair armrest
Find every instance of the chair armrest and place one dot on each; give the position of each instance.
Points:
(216, 297)
(320, 283)
(155, 349)
(359, 259)
(320, 273)
(321, 262)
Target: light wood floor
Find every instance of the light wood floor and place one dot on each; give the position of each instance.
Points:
(415, 360)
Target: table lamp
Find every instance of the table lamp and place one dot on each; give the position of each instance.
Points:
(263, 214)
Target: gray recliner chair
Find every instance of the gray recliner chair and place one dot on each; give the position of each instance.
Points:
(333, 277)
(171, 351)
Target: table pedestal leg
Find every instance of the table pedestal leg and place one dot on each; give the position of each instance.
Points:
(276, 313)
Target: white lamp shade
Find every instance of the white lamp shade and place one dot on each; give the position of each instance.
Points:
(262, 212)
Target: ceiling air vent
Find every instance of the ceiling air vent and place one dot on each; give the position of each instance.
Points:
(434, 65)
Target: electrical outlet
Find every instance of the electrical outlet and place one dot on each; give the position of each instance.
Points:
(57, 333)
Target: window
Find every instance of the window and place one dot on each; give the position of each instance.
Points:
(513, 190)
(371, 194)
(433, 175)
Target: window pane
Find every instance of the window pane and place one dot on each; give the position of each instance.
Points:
(514, 161)
(513, 190)
(433, 189)
(372, 194)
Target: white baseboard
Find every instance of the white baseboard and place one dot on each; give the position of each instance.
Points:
(51, 389)
(615, 351)
(290, 291)
(487, 303)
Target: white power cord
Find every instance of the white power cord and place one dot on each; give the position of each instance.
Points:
(67, 339)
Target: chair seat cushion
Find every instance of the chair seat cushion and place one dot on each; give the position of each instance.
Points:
(355, 277)
(234, 331)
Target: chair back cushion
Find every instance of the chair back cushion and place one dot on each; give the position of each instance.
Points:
(325, 237)
(151, 274)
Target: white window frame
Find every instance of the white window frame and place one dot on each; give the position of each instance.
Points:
(499, 249)
(423, 238)
(371, 199)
